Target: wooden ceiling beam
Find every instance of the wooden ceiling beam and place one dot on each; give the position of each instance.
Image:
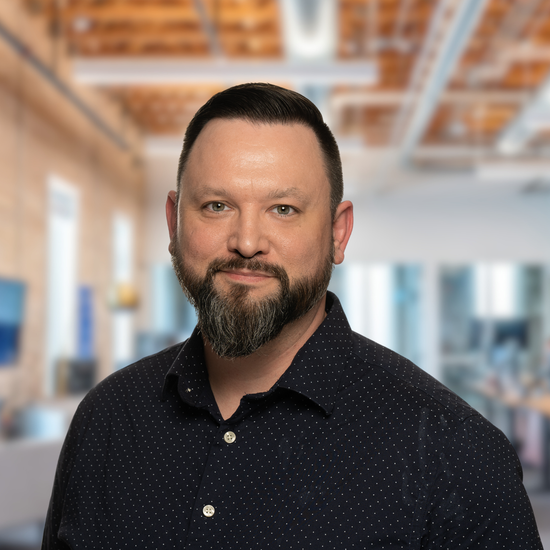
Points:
(141, 34)
(270, 27)
(246, 17)
(253, 28)
(143, 49)
(198, 90)
(175, 44)
(128, 12)
(421, 14)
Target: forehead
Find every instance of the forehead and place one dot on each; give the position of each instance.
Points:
(241, 129)
(242, 146)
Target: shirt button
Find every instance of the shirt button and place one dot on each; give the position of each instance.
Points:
(208, 510)
(229, 437)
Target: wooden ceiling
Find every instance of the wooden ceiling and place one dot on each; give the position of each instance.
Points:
(505, 60)
(190, 28)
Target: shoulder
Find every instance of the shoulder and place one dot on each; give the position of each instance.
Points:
(139, 382)
(407, 379)
(119, 397)
(468, 470)
(407, 400)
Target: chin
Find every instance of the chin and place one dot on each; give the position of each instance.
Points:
(247, 291)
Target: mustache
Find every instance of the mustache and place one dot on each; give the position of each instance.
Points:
(251, 264)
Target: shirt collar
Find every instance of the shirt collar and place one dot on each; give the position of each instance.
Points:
(318, 366)
(315, 372)
(188, 371)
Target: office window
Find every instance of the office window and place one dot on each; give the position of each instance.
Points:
(383, 302)
(123, 351)
(61, 325)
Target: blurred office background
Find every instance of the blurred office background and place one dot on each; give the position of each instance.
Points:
(442, 112)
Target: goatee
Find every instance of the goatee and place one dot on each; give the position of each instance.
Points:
(235, 324)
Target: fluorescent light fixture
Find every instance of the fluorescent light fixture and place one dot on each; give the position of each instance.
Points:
(351, 144)
(510, 146)
(163, 146)
(309, 29)
(119, 72)
(539, 124)
(504, 172)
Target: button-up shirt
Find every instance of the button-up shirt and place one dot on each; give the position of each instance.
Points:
(353, 447)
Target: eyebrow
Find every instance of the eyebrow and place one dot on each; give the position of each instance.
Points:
(287, 192)
(276, 194)
(210, 191)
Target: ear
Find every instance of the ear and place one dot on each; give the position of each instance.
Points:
(172, 218)
(341, 229)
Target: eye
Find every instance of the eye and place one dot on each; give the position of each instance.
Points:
(284, 210)
(216, 206)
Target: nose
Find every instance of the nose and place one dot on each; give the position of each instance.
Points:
(248, 236)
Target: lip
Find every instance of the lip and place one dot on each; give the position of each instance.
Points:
(245, 276)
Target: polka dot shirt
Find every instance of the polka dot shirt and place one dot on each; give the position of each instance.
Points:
(353, 447)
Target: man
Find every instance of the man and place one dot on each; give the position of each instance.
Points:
(274, 425)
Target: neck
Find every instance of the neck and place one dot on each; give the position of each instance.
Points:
(231, 379)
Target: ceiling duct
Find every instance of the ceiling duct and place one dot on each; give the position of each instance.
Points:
(27, 56)
(535, 116)
(452, 27)
(310, 29)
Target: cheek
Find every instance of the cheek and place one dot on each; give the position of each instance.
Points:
(304, 251)
(199, 242)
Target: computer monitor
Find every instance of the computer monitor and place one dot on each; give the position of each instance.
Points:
(12, 297)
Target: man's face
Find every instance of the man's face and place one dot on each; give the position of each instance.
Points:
(253, 243)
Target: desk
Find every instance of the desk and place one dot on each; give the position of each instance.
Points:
(535, 402)
(541, 404)
(27, 465)
(27, 469)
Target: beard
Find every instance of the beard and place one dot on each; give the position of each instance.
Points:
(235, 324)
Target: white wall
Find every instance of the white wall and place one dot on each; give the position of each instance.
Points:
(161, 178)
(452, 224)
(444, 220)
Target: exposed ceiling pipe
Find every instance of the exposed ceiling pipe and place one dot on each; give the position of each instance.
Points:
(536, 114)
(341, 100)
(209, 28)
(59, 85)
(451, 30)
(503, 49)
(514, 137)
(502, 172)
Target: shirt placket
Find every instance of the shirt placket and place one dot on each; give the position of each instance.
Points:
(208, 513)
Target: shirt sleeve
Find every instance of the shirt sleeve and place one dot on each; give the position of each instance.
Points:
(65, 464)
(478, 499)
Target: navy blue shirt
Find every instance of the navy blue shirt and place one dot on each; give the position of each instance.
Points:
(353, 447)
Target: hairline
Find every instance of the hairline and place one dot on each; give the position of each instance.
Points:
(257, 122)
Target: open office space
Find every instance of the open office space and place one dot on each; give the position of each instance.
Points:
(441, 110)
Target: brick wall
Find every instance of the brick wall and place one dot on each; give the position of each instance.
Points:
(42, 132)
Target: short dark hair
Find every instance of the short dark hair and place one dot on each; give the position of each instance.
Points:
(268, 104)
